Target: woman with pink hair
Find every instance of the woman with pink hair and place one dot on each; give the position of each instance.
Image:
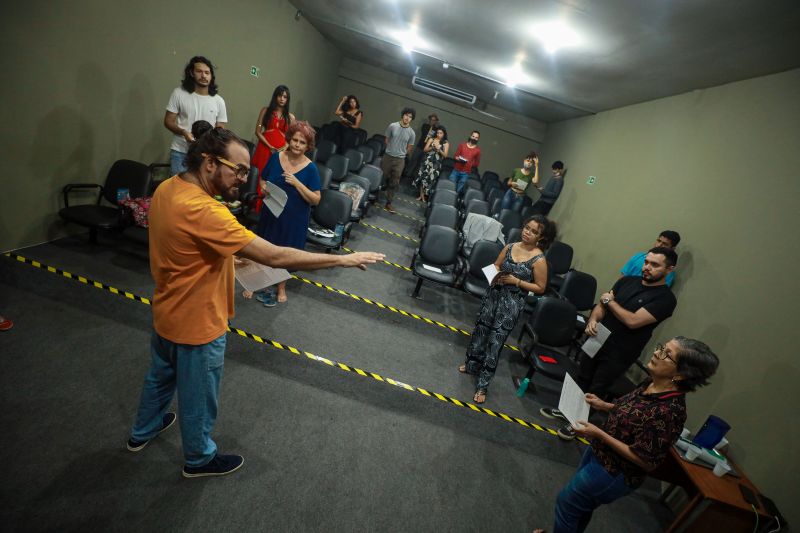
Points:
(298, 176)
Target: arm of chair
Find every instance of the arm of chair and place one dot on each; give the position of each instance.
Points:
(527, 329)
(80, 186)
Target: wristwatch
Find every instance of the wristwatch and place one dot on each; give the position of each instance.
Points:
(605, 301)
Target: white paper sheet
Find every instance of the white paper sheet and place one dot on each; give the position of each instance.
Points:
(593, 344)
(254, 276)
(432, 268)
(275, 200)
(490, 271)
(522, 184)
(573, 402)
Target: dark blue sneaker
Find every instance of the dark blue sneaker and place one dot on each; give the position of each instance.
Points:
(267, 298)
(139, 445)
(220, 465)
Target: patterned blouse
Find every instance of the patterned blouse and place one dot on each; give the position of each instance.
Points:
(649, 424)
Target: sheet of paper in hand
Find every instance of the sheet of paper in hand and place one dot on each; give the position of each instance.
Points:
(275, 200)
(573, 402)
(255, 276)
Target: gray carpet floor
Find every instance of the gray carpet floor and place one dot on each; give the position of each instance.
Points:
(325, 450)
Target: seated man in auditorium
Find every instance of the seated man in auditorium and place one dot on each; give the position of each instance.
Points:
(631, 310)
(551, 191)
(467, 156)
(399, 143)
(193, 238)
(666, 239)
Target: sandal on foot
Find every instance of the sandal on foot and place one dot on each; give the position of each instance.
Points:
(480, 397)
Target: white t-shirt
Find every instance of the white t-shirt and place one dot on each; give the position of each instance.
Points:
(192, 107)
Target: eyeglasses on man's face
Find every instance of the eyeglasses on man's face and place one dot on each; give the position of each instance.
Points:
(240, 170)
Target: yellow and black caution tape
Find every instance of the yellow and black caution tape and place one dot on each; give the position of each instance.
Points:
(406, 237)
(415, 219)
(296, 351)
(380, 305)
(396, 265)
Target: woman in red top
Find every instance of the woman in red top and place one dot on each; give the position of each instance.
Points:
(273, 122)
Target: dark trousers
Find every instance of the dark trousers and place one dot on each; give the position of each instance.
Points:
(597, 374)
(541, 208)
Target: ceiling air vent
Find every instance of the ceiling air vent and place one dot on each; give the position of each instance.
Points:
(442, 91)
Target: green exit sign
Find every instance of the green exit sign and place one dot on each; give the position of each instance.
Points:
(254, 71)
(591, 180)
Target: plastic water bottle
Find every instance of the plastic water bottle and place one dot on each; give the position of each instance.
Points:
(123, 194)
(523, 386)
(338, 232)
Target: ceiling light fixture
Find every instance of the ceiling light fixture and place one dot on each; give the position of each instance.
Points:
(514, 76)
(409, 40)
(445, 65)
(556, 35)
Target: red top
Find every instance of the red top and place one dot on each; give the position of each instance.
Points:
(472, 155)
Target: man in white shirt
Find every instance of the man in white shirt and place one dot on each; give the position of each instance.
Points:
(196, 99)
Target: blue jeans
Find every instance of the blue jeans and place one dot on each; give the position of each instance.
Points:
(589, 488)
(196, 371)
(177, 162)
(459, 178)
(512, 201)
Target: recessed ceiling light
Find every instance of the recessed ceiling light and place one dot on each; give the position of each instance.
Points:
(409, 40)
(514, 75)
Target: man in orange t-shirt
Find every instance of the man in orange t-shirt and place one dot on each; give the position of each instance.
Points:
(192, 241)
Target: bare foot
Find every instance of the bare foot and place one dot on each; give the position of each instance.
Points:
(479, 397)
(247, 295)
(282, 298)
(463, 369)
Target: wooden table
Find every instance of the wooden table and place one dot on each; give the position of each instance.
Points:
(715, 503)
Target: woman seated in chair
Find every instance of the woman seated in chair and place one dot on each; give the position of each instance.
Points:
(641, 428)
(521, 268)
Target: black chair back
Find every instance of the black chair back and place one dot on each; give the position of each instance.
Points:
(553, 321)
(445, 185)
(448, 163)
(377, 146)
(444, 196)
(494, 206)
(580, 289)
(325, 148)
(368, 152)
(559, 257)
(338, 165)
(439, 246)
(510, 220)
(515, 235)
(334, 208)
(249, 189)
(312, 154)
(127, 174)
(324, 176)
(472, 183)
(490, 185)
(355, 160)
(360, 136)
(443, 215)
(478, 207)
(374, 175)
(483, 253)
(472, 194)
(492, 195)
(490, 176)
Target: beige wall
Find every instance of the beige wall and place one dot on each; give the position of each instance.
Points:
(721, 167)
(87, 84)
(383, 95)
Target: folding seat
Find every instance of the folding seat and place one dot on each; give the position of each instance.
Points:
(442, 196)
(436, 259)
(510, 220)
(482, 254)
(334, 208)
(375, 177)
(552, 331)
(441, 215)
(368, 151)
(355, 160)
(338, 165)
(325, 148)
(123, 174)
(471, 194)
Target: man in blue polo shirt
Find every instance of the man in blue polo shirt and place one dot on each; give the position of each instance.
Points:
(666, 239)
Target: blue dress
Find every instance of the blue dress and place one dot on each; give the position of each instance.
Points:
(291, 227)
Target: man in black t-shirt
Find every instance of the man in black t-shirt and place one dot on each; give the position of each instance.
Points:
(631, 310)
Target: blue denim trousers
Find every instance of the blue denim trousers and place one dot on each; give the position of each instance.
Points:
(459, 178)
(177, 162)
(590, 487)
(512, 201)
(196, 372)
